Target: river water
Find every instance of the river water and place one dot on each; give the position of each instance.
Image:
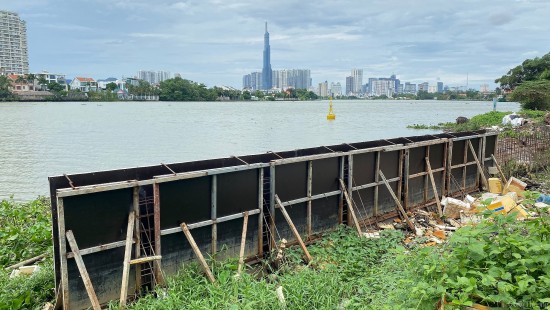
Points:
(38, 140)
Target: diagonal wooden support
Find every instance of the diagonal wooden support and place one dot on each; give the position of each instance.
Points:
(243, 243)
(293, 228)
(483, 178)
(198, 253)
(82, 270)
(436, 194)
(502, 177)
(127, 257)
(397, 202)
(348, 200)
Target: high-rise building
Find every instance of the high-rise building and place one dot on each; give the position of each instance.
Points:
(336, 89)
(295, 78)
(349, 85)
(409, 88)
(14, 57)
(323, 89)
(252, 81)
(423, 86)
(440, 87)
(267, 82)
(357, 75)
(153, 77)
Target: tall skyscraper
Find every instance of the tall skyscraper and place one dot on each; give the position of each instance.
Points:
(357, 75)
(14, 57)
(266, 70)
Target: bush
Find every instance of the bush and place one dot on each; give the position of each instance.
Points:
(26, 230)
(533, 95)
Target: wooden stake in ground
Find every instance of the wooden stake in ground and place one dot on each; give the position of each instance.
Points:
(198, 253)
(430, 173)
(350, 205)
(243, 243)
(502, 176)
(127, 257)
(293, 228)
(483, 178)
(26, 262)
(82, 270)
(397, 202)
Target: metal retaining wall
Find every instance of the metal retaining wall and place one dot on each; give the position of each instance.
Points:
(212, 196)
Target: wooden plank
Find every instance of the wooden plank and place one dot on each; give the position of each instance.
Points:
(293, 228)
(99, 248)
(376, 179)
(63, 253)
(82, 270)
(502, 177)
(483, 178)
(198, 253)
(243, 243)
(350, 207)
(146, 259)
(434, 188)
(127, 257)
(397, 202)
(26, 262)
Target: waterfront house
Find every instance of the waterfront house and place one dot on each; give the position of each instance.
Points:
(84, 84)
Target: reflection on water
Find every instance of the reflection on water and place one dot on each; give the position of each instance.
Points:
(38, 140)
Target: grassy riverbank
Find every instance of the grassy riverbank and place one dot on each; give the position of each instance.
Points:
(25, 232)
(498, 262)
(481, 121)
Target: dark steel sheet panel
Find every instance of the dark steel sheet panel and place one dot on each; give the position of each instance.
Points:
(184, 201)
(237, 192)
(325, 175)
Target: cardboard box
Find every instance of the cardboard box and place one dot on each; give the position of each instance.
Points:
(502, 205)
(515, 185)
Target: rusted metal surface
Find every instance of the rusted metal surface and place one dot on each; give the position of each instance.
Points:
(212, 196)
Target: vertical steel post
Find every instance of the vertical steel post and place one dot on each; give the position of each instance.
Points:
(350, 187)
(137, 235)
(376, 179)
(213, 212)
(341, 198)
(156, 215)
(273, 244)
(406, 179)
(261, 214)
(309, 190)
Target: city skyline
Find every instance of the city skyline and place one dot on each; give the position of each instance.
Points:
(215, 43)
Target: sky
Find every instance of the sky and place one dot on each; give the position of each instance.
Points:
(216, 42)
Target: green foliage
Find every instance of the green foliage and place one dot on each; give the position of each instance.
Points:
(477, 122)
(179, 89)
(344, 266)
(27, 292)
(111, 86)
(5, 93)
(499, 262)
(143, 88)
(102, 96)
(25, 230)
(533, 95)
(529, 70)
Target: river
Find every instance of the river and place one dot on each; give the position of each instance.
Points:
(38, 140)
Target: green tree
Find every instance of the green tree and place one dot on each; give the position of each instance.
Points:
(111, 86)
(529, 70)
(533, 95)
(55, 87)
(42, 82)
(247, 95)
(5, 93)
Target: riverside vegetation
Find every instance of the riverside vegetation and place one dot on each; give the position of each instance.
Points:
(500, 262)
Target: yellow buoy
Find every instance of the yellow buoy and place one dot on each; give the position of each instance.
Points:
(331, 115)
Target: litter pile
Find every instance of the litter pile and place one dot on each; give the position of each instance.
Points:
(432, 228)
